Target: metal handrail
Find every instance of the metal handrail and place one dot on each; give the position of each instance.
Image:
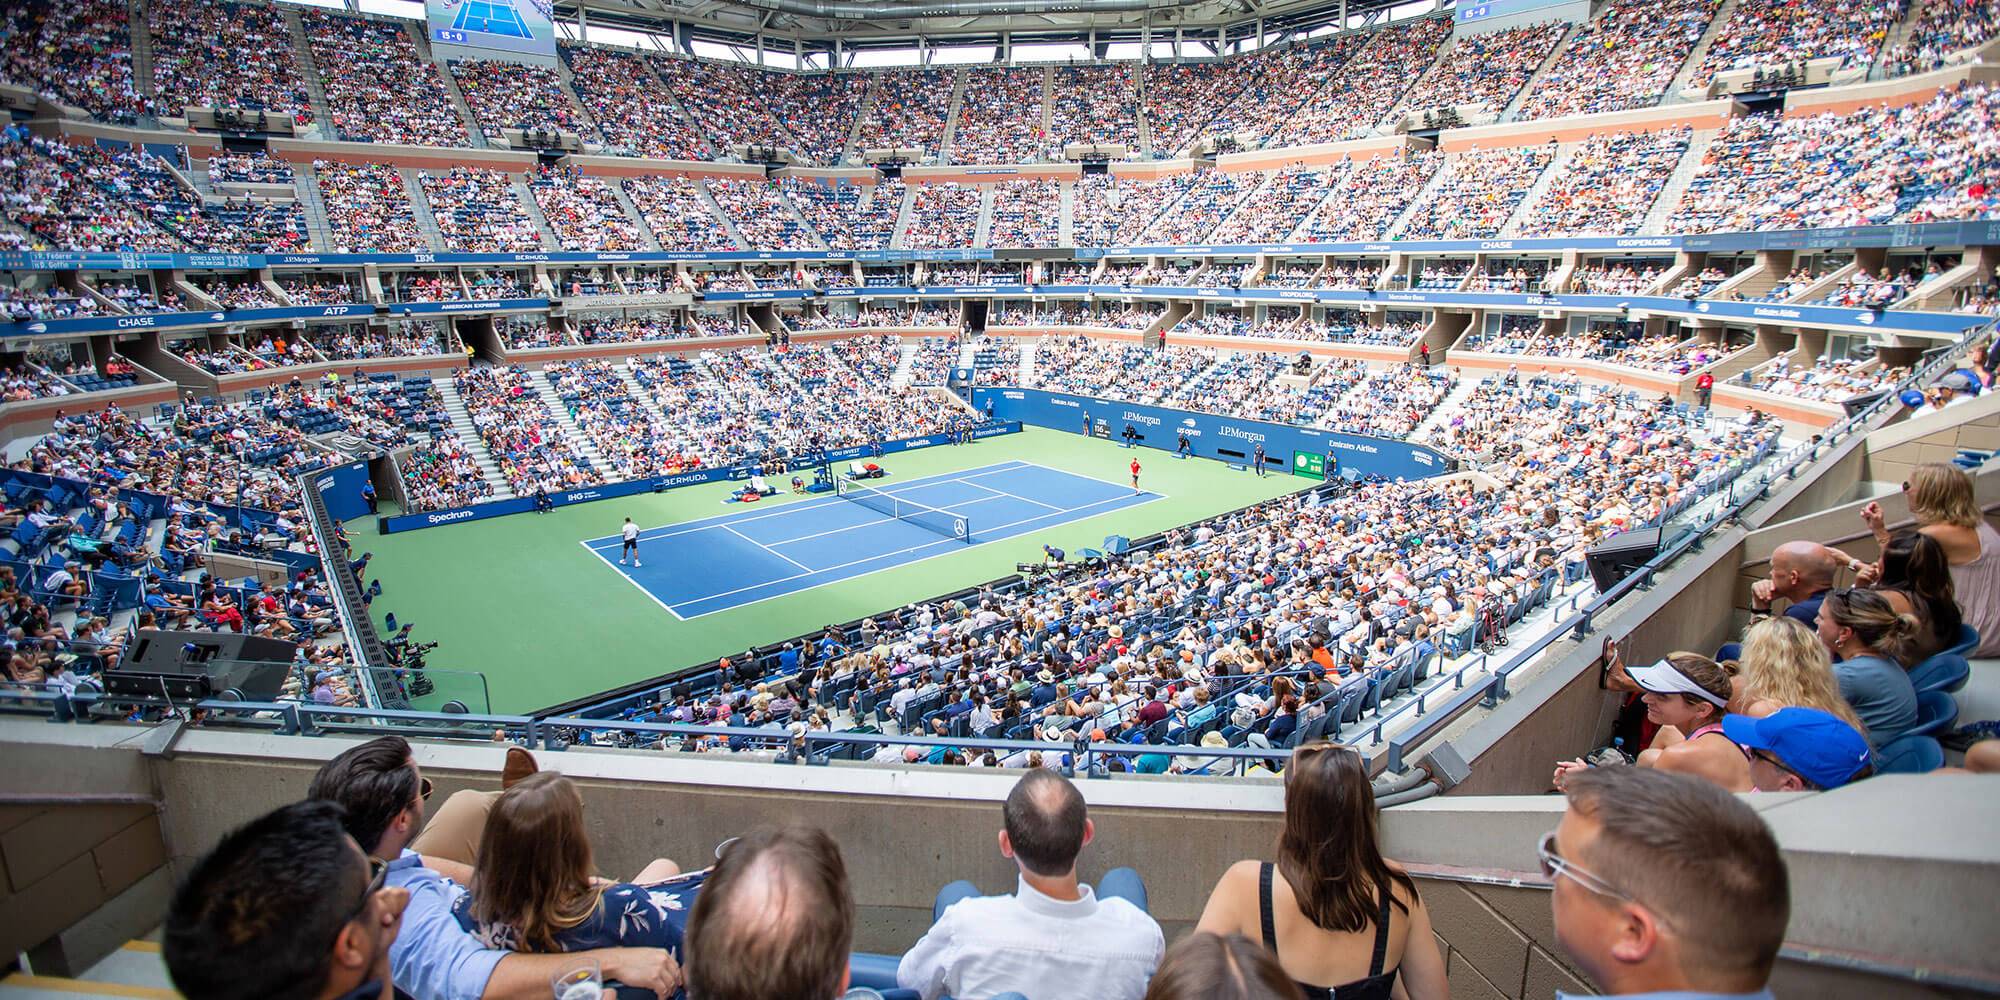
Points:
(1580, 625)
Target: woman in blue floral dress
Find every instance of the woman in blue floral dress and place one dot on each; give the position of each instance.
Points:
(534, 889)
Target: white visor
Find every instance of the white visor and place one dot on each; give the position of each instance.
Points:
(1665, 678)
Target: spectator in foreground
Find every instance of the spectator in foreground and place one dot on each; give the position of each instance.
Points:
(1866, 637)
(379, 786)
(776, 919)
(1686, 695)
(535, 888)
(287, 905)
(1666, 885)
(1206, 966)
(1800, 750)
(1055, 937)
(1332, 909)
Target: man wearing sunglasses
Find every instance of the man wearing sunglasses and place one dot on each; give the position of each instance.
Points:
(286, 906)
(378, 785)
(1666, 887)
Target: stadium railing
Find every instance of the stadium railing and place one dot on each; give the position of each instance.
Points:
(1580, 624)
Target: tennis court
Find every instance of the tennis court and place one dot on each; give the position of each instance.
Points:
(494, 17)
(719, 563)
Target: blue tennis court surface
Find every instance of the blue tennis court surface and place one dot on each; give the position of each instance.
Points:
(718, 563)
(494, 17)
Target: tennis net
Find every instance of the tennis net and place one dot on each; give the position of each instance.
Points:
(949, 523)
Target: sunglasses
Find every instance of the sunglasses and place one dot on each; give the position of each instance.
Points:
(424, 788)
(378, 875)
(1556, 866)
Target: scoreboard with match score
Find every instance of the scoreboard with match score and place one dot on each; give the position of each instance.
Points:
(1310, 464)
(492, 29)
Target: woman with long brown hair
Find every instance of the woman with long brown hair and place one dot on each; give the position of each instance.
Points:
(1942, 502)
(535, 889)
(1343, 920)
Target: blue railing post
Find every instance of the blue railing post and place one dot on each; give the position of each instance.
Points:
(289, 724)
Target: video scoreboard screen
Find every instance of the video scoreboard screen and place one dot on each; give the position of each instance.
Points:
(522, 27)
(1310, 464)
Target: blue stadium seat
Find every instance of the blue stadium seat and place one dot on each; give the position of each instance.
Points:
(1910, 754)
(1936, 711)
(1966, 642)
(1943, 672)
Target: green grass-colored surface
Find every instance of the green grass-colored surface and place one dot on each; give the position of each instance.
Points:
(519, 600)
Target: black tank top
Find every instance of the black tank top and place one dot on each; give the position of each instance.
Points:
(1375, 986)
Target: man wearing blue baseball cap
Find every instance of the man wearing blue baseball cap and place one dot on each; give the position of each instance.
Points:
(1799, 749)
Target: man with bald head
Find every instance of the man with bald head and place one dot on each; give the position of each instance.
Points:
(1055, 938)
(1802, 573)
(774, 919)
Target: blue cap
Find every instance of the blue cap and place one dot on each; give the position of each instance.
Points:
(1911, 398)
(1817, 745)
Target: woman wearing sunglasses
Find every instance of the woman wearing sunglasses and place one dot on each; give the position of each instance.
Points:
(1343, 920)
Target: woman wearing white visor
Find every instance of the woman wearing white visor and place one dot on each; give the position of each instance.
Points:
(1686, 695)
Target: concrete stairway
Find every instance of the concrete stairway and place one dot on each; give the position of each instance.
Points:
(142, 49)
(983, 231)
(309, 72)
(715, 209)
(1557, 166)
(1401, 107)
(1029, 348)
(420, 207)
(632, 213)
(458, 104)
(1446, 407)
(534, 210)
(577, 438)
(1521, 96)
(1700, 51)
(1423, 195)
(851, 146)
(903, 215)
(1066, 229)
(805, 225)
(901, 377)
(1898, 35)
(951, 116)
(305, 181)
(461, 421)
(1677, 184)
(590, 130)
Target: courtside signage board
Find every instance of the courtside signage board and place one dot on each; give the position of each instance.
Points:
(1230, 439)
(494, 28)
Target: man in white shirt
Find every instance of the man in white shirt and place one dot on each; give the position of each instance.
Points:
(1053, 938)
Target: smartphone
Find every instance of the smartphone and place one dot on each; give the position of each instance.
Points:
(1607, 656)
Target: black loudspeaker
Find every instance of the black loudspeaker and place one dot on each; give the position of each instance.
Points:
(251, 664)
(1616, 557)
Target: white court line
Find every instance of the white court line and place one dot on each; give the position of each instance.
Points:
(766, 548)
(668, 608)
(1017, 496)
(873, 524)
(688, 527)
(959, 546)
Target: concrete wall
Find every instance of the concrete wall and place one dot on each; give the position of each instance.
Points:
(1916, 849)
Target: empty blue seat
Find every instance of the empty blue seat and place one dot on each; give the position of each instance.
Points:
(1966, 642)
(1909, 754)
(1936, 711)
(1943, 672)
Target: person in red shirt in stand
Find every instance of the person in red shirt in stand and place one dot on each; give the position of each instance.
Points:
(1704, 387)
(1135, 475)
